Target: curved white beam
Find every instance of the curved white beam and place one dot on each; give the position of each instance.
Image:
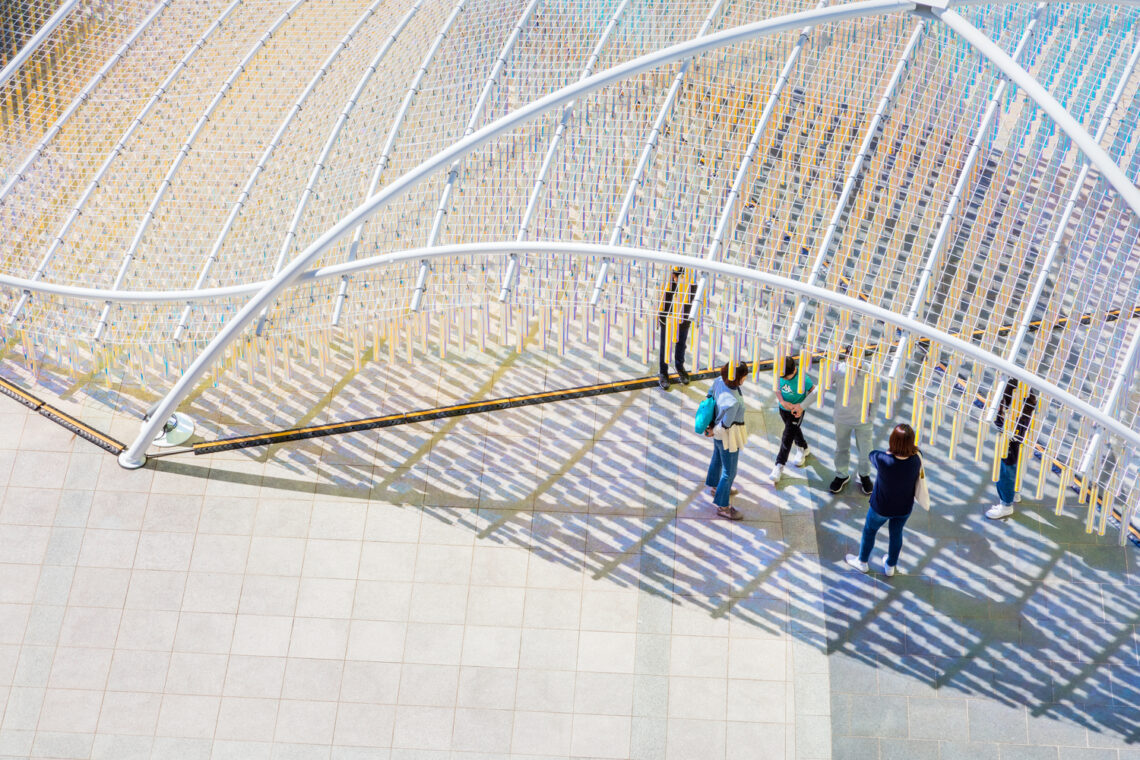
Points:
(82, 97)
(476, 115)
(857, 168)
(184, 151)
(135, 454)
(37, 39)
(1095, 154)
(381, 163)
(120, 146)
(622, 219)
(749, 153)
(942, 236)
(731, 271)
(552, 151)
(216, 248)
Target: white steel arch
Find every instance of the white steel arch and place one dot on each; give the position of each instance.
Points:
(216, 248)
(184, 151)
(134, 456)
(57, 241)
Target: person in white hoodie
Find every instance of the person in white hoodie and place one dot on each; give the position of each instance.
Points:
(853, 417)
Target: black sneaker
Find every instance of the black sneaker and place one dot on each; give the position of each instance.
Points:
(682, 375)
(663, 381)
(837, 484)
(865, 484)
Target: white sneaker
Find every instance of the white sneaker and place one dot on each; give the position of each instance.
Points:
(888, 569)
(800, 457)
(1017, 498)
(853, 561)
(999, 511)
(776, 473)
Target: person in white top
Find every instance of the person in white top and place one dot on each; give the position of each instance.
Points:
(853, 412)
(729, 434)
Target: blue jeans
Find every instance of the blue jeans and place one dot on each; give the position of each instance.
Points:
(871, 527)
(1007, 480)
(722, 471)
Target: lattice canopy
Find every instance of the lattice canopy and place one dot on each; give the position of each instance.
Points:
(194, 149)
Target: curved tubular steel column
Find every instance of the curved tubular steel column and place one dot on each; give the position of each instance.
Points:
(37, 39)
(453, 172)
(552, 150)
(1095, 154)
(749, 153)
(857, 168)
(187, 146)
(1062, 227)
(83, 95)
(942, 236)
(666, 109)
(216, 248)
(115, 151)
(381, 163)
(135, 454)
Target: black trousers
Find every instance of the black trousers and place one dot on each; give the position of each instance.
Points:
(682, 329)
(792, 434)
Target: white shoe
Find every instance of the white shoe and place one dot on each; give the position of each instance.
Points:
(776, 473)
(801, 456)
(853, 561)
(999, 511)
(888, 569)
(1017, 498)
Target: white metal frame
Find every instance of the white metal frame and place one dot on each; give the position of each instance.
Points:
(32, 45)
(857, 169)
(942, 236)
(476, 115)
(298, 104)
(187, 146)
(621, 221)
(135, 454)
(749, 152)
(77, 209)
(82, 97)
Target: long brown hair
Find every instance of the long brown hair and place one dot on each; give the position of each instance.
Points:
(902, 441)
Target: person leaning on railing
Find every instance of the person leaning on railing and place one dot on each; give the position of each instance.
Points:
(674, 311)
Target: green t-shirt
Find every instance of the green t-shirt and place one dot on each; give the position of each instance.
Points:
(789, 388)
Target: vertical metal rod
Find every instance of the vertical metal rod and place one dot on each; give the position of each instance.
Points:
(857, 168)
(120, 146)
(647, 151)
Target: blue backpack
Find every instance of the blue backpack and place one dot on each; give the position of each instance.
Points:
(706, 413)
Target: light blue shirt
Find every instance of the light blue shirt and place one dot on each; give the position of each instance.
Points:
(729, 404)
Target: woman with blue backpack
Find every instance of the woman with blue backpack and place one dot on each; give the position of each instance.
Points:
(721, 417)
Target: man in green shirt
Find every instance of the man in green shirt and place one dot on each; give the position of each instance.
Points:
(792, 403)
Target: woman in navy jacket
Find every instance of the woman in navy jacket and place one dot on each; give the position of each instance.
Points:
(892, 498)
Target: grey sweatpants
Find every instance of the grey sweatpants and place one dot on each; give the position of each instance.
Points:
(863, 435)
